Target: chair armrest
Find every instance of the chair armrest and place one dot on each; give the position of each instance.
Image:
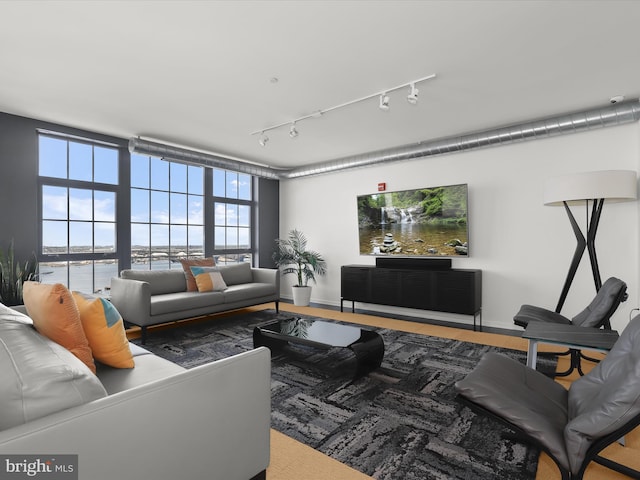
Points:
(528, 313)
(267, 275)
(132, 298)
(214, 418)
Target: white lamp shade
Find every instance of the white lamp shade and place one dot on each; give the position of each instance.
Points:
(612, 185)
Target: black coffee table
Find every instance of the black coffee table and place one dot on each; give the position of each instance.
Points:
(367, 345)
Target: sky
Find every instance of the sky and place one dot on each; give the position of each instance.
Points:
(167, 198)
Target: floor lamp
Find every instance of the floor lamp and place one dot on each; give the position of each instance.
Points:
(585, 188)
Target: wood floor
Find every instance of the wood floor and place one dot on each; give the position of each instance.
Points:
(291, 460)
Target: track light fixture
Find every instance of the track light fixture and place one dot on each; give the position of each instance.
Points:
(383, 104)
(412, 98)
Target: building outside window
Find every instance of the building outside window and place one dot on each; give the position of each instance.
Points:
(78, 182)
(167, 213)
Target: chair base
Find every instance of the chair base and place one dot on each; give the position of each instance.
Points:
(616, 467)
(576, 357)
(574, 364)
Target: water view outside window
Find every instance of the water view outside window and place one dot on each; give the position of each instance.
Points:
(78, 183)
(167, 213)
(232, 216)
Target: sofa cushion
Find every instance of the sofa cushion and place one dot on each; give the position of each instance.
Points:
(184, 302)
(104, 329)
(148, 368)
(38, 376)
(208, 279)
(160, 281)
(55, 315)
(238, 293)
(187, 263)
(236, 273)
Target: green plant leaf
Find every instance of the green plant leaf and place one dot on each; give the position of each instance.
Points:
(292, 257)
(13, 274)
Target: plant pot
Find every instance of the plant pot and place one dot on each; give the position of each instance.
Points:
(301, 295)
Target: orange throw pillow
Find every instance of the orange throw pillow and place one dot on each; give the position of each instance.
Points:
(195, 262)
(104, 328)
(55, 315)
(209, 279)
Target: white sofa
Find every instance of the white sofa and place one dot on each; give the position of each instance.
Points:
(151, 297)
(156, 421)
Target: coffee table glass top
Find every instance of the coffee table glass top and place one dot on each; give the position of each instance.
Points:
(316, 331)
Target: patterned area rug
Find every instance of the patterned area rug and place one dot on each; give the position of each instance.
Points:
(401, 421)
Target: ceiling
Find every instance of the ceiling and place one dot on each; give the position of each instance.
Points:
(200, 73)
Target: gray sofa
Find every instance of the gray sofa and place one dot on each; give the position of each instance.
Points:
(156, 420)
(151, 297)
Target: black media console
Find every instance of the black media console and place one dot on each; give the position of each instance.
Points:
(422, 283)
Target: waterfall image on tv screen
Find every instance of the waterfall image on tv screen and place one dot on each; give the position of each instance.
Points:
(423, 222)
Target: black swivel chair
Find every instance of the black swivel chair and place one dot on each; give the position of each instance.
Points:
(573, 426)
(596, 315)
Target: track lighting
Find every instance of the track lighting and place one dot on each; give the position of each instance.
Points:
(412, 98)
(384, 102)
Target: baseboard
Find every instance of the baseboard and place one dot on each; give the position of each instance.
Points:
(430, 321)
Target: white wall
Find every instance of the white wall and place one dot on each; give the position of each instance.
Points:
(523, 247)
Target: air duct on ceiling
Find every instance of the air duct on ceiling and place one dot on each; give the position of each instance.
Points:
(193, 157)
(616, 114)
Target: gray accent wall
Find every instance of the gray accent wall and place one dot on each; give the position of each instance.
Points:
(18, 185)
(267, 220)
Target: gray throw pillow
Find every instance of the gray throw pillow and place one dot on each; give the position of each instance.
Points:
(236, 273)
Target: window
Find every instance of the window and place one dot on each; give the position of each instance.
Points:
(78, 187)
(172, 211)
(167, 216)
(232, 216)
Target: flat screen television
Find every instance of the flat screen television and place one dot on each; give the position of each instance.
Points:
(424, 222)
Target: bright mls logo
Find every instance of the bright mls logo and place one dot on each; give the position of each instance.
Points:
(51, 467)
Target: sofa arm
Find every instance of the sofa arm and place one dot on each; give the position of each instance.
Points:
(132, 298)
(267, 275)
(214, 418)
(20, 308)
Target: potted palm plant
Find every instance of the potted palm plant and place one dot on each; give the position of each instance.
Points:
(292, 257)
(13, 274)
